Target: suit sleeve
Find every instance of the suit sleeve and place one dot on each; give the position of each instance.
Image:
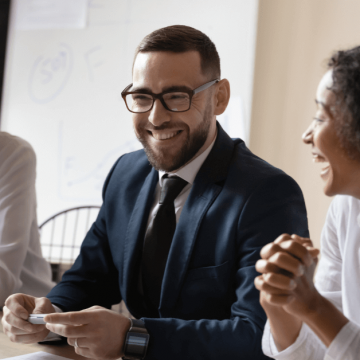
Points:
(93, 279)
(276, 206)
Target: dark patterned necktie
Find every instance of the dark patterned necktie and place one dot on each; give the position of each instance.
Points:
(158, 240)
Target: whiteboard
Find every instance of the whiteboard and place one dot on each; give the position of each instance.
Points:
(62, 86)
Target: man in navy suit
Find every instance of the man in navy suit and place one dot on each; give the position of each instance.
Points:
(232, 204)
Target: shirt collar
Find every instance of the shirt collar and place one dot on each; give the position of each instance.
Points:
(190, 170)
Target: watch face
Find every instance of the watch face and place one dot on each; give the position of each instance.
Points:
(136, 340)
(136, 344)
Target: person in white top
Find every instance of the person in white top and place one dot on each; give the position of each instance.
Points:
(22, 267)
(322, 321)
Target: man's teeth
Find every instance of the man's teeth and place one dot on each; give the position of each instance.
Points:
(164, 136)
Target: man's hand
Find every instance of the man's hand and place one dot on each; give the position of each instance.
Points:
(100, 333)
(288, 266)
(16, 312)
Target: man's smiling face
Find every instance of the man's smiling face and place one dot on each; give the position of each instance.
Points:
(172, 139)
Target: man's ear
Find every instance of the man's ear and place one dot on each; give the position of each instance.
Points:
(222, 96)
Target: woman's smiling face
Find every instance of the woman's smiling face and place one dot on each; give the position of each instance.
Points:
(339, 173)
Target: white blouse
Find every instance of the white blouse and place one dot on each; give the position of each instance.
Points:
(22, 267)
(338, 280)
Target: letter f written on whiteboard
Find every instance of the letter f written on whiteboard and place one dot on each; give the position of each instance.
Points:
(93, 61)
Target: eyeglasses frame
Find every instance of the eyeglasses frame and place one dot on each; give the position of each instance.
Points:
(159, 96)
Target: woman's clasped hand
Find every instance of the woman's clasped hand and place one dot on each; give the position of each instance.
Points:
(287, 266)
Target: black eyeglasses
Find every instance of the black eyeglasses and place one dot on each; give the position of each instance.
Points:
(176, 99)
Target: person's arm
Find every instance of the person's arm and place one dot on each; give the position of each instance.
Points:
(17, 207)
(285, 328)
(285, 335)
(295, 294)
(302, 299)
(283, 259)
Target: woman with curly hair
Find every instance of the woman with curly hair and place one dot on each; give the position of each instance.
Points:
(322, 321)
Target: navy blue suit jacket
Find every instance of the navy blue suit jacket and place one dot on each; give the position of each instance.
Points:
(209, 307)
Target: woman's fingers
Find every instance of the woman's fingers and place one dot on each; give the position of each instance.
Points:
(270, 249)
(273, 247)
(302, 240)
(262, 285)
(279, 281)
(282, 238)
(287, 262)
(271, 294)
(297, 250)
(313, 252)
(300, 248)
(264, 266)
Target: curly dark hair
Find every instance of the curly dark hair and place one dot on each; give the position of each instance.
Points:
(345, 67)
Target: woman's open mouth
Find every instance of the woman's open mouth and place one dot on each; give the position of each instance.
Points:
(320, 159)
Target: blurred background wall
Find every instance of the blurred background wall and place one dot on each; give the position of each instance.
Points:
(294, 40)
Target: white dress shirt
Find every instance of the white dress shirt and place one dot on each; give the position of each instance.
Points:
(338, 280)
(22, 267)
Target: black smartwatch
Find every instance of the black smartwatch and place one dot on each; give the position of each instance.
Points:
(136, 342)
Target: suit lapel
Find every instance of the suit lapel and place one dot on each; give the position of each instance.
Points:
(134, 240)
(206, 188)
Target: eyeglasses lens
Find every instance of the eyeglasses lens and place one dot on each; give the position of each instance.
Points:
(139, 102)
(175, 101)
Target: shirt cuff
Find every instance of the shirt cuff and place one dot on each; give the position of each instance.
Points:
(341, 343)
(295, 351)
(57, 309)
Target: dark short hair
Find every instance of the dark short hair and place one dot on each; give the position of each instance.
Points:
(181, 38)
(346, 86)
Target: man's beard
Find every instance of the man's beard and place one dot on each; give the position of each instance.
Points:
(188, 150)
